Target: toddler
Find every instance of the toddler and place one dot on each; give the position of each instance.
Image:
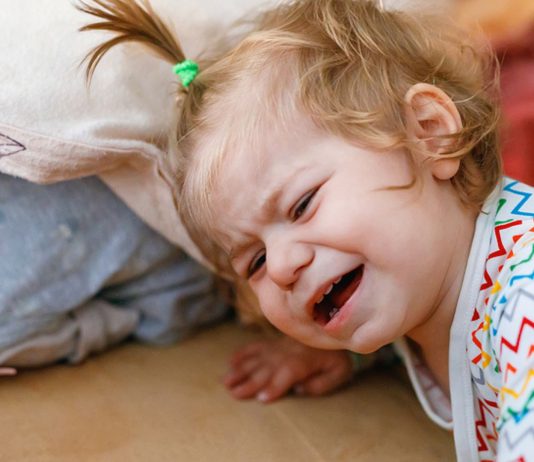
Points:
(343, 159)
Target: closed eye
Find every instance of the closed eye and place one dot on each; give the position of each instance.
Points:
(302, 204)
(256, 263)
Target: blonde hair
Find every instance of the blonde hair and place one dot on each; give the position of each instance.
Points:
(347, 64)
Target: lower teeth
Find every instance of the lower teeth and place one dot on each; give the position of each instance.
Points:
(333, 312)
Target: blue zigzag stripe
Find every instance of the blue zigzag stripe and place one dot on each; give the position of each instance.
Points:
(521, 276)
(525, 197)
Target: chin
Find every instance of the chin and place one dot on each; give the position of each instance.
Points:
(367, 345)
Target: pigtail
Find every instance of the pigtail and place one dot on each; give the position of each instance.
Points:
(136, 21)
(130, 21)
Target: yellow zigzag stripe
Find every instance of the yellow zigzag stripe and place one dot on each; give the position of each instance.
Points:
(486, 325)
(496, 287)
(512, 392)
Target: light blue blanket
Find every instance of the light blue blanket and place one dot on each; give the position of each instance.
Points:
(79, 272)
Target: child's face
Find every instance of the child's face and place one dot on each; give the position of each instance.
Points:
(336, 259)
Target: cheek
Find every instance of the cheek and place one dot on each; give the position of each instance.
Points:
(271, 304)
(278, 313)
(353, 226)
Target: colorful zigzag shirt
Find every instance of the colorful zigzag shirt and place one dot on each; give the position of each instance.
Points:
(491, 353)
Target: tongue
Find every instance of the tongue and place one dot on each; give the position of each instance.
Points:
(345, 288)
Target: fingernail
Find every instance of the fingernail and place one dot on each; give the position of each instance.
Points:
(262, 396)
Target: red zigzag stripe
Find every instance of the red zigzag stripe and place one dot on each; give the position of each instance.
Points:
(501, 250)
(524, 322)
(487, 281)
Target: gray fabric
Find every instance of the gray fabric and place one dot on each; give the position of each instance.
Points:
(80, 272)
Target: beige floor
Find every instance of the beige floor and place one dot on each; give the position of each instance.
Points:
(137, 403)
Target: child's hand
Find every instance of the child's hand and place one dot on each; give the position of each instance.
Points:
(269, 369)
(7, 371)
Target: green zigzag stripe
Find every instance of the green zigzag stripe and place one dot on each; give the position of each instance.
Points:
(497, 223)
(502, 201)
(513, 267)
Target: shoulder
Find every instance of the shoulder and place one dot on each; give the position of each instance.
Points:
(511, 298)
(512, 307)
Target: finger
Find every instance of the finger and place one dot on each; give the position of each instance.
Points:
(8, 371)
(324, 382)
(282, 383)
(248, 351)
(253, 385)
(234, 377)
(243, 369)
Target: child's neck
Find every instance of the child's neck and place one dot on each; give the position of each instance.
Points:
(433, 335)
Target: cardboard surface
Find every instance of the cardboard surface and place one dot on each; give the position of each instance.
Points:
(138, 403)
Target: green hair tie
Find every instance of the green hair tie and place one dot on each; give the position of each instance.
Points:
(187, 71)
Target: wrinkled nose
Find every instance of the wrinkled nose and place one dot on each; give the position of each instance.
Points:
(286, 260)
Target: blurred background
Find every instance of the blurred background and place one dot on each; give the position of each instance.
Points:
(509, 25)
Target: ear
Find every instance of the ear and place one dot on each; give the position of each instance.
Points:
(430, 114)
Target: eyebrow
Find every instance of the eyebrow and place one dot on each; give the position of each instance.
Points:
(271, 204)
(268, 208)
(239, 249)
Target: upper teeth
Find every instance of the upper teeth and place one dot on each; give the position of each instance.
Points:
(329, 289)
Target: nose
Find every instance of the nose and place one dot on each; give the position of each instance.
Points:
(286, 259)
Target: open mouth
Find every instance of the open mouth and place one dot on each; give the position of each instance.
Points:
(336, 296)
